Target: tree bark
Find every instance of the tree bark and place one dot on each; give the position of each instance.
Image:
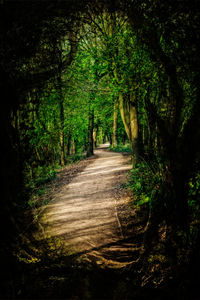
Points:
(128, 113)
(73, 148)
(115, 118)
(101, 135)
(61, 106)
(95, 134)
(68, 144)
(90, 131)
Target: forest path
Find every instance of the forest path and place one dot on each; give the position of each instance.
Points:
(84, 212)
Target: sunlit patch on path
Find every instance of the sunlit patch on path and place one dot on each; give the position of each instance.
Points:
(84, 215)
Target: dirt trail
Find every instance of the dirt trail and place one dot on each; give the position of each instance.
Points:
(84, 212)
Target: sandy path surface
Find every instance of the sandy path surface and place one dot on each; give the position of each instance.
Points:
(84, 211)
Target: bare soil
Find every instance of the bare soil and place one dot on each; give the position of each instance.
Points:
(90, 210)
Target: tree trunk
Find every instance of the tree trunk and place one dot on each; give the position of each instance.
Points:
(129, 117)
(61, 107)
(115, 118)
(95, 134)
(90, 131)
(68, 144)
(101, 135)
(73, 148)
(134, 128)
(62, 144)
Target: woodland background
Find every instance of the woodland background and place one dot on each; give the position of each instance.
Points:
(75, 74)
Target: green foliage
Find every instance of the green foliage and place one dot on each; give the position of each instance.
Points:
(194, 185)
(42, 175)
(144, 181)
(74, 158)
(121, 148)
(194, 195)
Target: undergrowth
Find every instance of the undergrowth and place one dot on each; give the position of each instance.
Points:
(38, 178)
(121, 148)
(194, 208)
(144, 181)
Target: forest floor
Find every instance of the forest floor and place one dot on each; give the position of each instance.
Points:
(90, 211)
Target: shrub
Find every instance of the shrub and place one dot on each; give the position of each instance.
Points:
(121, 148)
(144, 181)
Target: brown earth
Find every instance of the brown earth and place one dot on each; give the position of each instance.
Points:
(90, 210)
